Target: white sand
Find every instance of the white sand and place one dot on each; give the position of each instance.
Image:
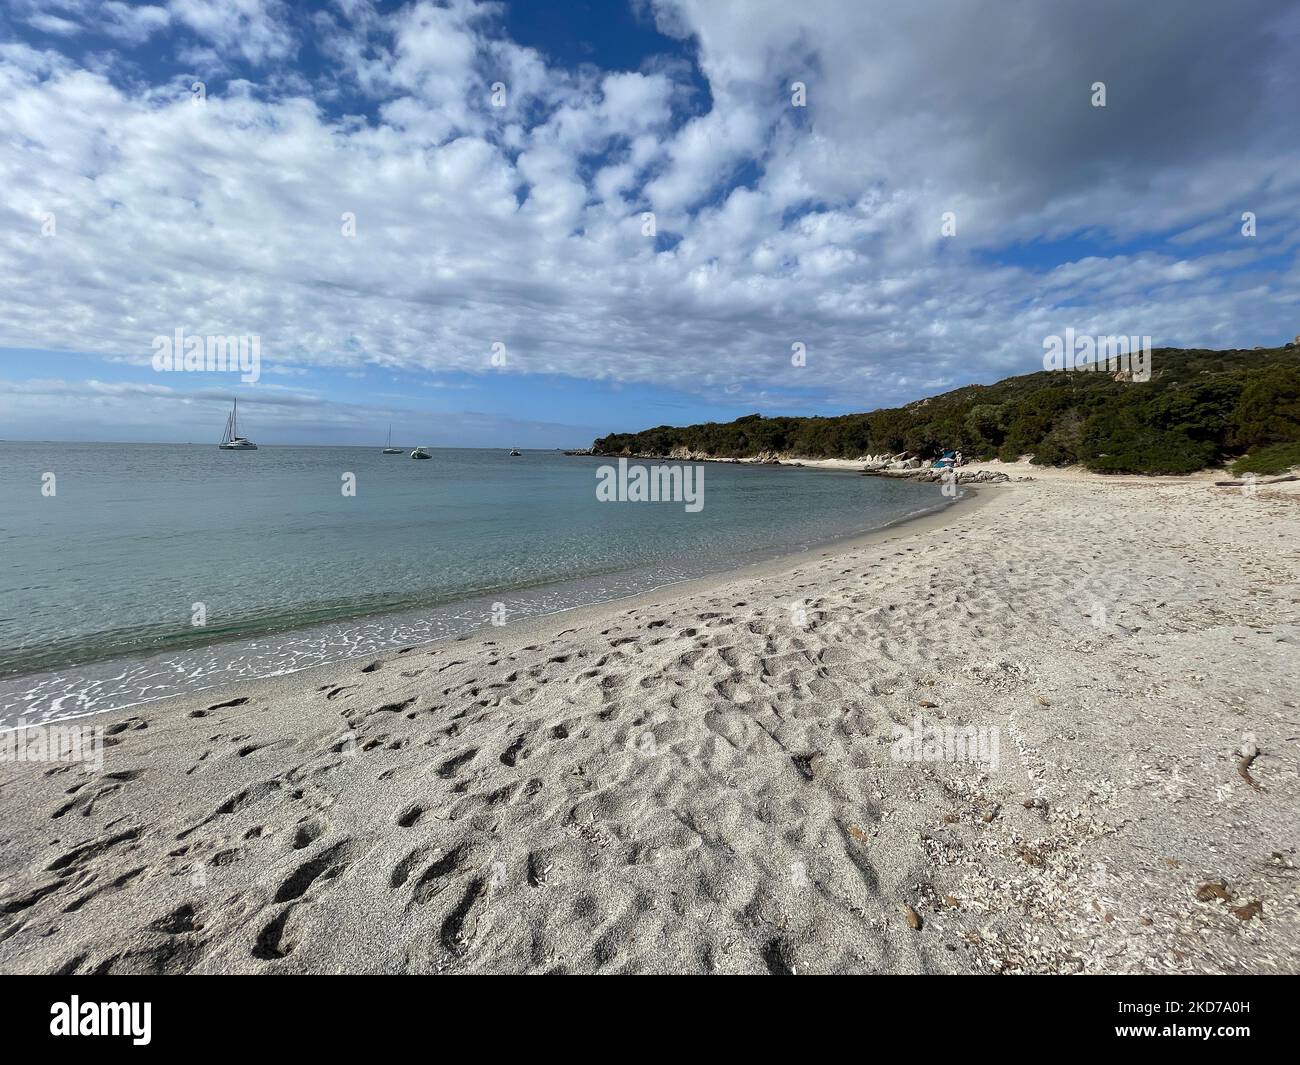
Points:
(701, 779)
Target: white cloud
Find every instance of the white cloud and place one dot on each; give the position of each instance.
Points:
(133, 24)
(523, 224)
(256, 29)
(48, 23)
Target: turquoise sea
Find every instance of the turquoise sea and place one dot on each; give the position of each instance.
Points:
(102, 580)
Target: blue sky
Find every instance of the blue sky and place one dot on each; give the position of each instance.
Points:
(137, 205)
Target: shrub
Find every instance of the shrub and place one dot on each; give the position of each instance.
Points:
(1119, 442)
(1268, 410)
(1269, 460)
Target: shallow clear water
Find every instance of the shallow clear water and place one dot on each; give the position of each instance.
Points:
(99, 582)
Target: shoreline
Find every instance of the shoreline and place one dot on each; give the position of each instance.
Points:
(709, 778)
(776, 563)
(593, 613)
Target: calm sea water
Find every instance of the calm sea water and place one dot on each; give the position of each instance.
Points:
(99, 583)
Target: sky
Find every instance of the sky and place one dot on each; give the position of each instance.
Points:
(529, 224)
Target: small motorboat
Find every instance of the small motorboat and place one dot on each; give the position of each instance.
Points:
(421, 453)
(515, 452)
(388, 447)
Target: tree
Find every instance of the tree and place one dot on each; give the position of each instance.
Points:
(1268, 410)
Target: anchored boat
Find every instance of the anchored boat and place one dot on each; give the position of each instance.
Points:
(230, 439)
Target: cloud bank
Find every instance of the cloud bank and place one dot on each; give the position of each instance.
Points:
(497, 196)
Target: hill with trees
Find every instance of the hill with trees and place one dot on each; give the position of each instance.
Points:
(1200, 408)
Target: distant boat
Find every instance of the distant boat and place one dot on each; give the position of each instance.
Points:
(514, 451)
(388, 447)
(421, 453)
(230, 439)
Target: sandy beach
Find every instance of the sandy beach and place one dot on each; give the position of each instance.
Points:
(716, 778)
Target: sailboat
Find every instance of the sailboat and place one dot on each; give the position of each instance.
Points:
(388, 447)
(230, 439)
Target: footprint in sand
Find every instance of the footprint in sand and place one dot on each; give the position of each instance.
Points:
(327, 865)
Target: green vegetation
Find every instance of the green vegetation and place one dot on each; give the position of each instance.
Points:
(1269, 460)
(1198, 409)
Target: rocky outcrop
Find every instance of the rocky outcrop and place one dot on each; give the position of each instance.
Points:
(964, 476)
(885, 461)
(685, 454)
(901, 464)
(929, 474)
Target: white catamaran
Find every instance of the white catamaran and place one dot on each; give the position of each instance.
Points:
(230, 439)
